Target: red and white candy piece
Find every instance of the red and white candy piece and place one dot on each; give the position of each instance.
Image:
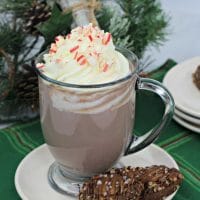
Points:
(59, 40)
(106, 38)
(40, 65)
(68, 36)
(105, 67)
(73, 49)
(53, 48)
(81, 60)
(76, 54)
(96, 54)
(58, 60)
(90, 38)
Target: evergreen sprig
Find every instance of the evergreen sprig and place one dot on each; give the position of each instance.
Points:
(17, 7)
(148, 23)
(120, 33)
(103, 17)
(11, 40)
(139, 23)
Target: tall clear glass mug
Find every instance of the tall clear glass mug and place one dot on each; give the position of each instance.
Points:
(89, 127)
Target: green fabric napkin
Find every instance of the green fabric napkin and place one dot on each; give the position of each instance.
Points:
(17, 141)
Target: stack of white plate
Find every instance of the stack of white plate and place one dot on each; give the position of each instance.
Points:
(186, 95)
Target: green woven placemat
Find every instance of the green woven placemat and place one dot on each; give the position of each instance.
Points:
(182, 144)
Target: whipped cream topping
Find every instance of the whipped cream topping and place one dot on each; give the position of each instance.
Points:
(85, 56)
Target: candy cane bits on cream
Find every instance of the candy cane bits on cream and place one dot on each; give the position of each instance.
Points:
(85, 56)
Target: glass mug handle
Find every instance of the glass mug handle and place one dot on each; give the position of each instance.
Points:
(139, 142)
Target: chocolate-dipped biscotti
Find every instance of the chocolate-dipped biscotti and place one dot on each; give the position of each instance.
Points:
(128, 183)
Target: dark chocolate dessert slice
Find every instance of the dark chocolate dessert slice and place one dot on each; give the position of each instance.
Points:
(196, 77)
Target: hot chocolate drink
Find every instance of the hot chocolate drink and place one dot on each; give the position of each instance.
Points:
(87, 103)
(86, 129)
(86, 141)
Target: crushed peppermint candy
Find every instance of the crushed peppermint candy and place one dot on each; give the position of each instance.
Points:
(94, 35)
(88, 52)
(74, 49)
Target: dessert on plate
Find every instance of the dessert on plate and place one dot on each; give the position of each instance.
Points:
(129, 183)
(196, 77)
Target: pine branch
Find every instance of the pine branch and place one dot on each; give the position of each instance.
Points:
(103, 16)
(148, 23)
(119, 27)
(17, 7)
(138, 24)
(11, 40)
(110, 21)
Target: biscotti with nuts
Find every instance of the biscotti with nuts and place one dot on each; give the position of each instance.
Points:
(117, 184)
(129, 183)
(160, 182)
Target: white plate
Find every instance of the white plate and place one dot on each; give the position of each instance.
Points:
(186, 124)
(179, 82)
(31, 175)
(189, 118)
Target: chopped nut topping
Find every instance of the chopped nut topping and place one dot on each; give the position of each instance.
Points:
(129, 183)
